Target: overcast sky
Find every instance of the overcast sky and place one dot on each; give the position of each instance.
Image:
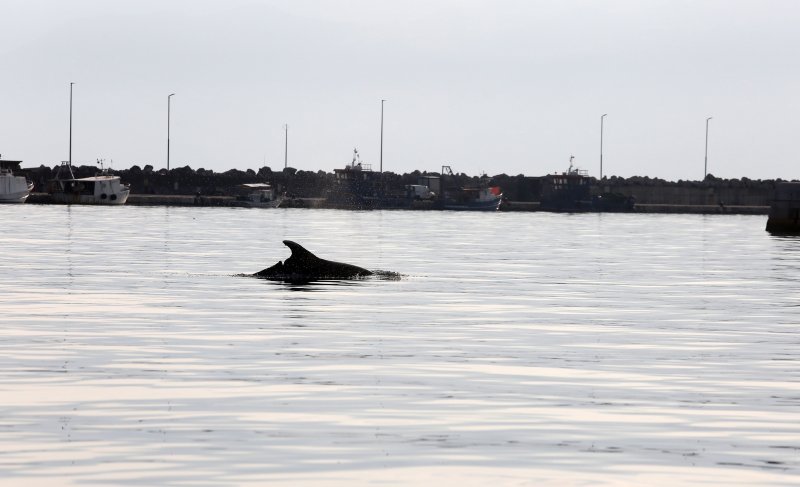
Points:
(503, 86)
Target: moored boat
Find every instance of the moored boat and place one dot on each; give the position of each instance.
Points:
(358, 187)
(259, 195)
(571, 191)
(13, 189)
(475, 199)
(482, 197)
(101, 189)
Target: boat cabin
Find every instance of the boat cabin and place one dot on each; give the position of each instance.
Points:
(9, 166)
(569, 190)
(256, 193)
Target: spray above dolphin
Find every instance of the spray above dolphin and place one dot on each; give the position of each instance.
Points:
(303, 266)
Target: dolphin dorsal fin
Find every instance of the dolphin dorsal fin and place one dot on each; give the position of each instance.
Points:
(298, 250)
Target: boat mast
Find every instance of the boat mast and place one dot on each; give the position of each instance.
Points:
(286, 146)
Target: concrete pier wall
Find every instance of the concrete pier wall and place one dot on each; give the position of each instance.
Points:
(784, 214)
(680, 195)
(526, 206)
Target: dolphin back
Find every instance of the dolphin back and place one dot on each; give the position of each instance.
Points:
(302, 265)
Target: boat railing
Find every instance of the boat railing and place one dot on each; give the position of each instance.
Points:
(359, 167)
(577, 172)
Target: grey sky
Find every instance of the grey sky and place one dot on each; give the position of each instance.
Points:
(508, 86)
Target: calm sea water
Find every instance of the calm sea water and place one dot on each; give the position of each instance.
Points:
(519, 349)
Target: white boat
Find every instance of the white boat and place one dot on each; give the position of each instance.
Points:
(475, 199)
(482, 197)
(259, 195)
(13, 189)
(102, 189)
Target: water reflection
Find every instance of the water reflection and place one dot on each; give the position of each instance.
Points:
(555, 348)
(308, 285)
(68, 247)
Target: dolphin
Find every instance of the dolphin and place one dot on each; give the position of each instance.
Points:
(303, 266)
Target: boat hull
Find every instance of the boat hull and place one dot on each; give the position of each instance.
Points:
(90, 199)
(14, 189)
(262, 204)
(19, 197)
(489, 205)
(97, 190)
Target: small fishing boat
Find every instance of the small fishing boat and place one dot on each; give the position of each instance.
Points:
(102, 189)
(481, 197)
(352, 186)
(13, 189)
(259, 195)
(571, 191)
(475, 199)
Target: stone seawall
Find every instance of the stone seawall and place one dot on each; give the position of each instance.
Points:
(703, 209)
(682, 195)
(516, 206)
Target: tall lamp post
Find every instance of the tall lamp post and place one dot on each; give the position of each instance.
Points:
(169, 99)
(286, 146)
(601, 144)
(382, 101)
(70, 123)
(705, 166)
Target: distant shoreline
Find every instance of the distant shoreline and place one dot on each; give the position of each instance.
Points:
(181, 187)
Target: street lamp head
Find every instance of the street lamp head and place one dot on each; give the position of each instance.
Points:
(604, 115)
(709, 118)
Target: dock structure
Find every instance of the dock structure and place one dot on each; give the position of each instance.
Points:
(784, 212)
